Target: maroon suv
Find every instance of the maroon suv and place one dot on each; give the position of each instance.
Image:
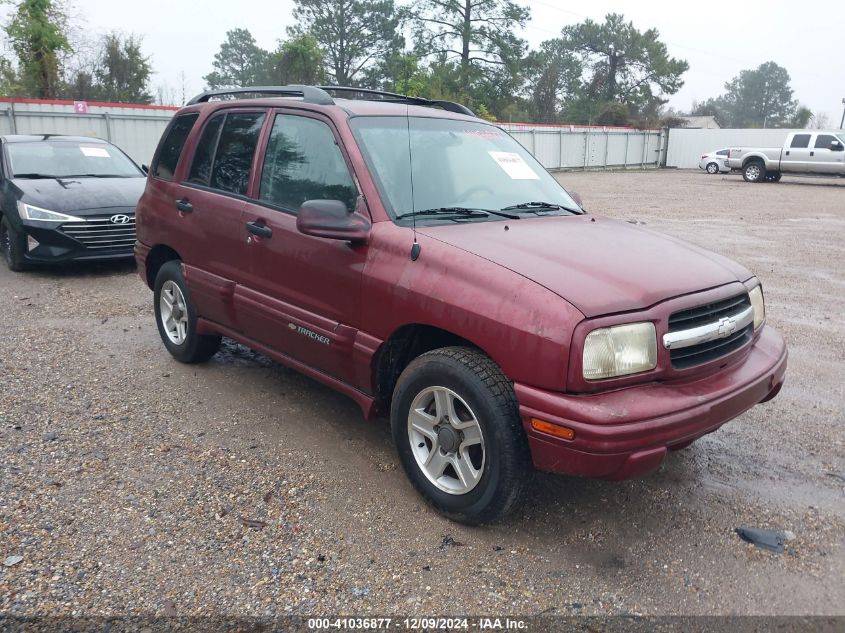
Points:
(419, 260)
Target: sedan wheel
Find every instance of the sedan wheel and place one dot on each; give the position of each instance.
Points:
(712, 168)
(12, 244)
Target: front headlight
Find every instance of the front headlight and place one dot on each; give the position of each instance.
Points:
(29, 212)
(620, 350)
(759, 305)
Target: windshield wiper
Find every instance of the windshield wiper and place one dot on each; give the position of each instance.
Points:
(94, 176)
(534, 206)
(461, 212)
(35, 175)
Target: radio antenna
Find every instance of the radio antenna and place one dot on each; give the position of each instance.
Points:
(415, 247)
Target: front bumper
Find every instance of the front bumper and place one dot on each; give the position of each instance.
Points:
(90, 240)
(627, 433)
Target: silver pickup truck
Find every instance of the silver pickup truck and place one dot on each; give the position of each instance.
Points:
(811, 152)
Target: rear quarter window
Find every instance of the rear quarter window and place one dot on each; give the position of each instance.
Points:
(170, 148)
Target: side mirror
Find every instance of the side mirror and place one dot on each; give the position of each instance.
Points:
(577, 197)
(836, 146)
(330, 219)
(145, 169)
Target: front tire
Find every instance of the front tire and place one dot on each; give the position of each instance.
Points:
(456, 426)
(712, 169)
(754, 171)
(176, 318)
(13, 245)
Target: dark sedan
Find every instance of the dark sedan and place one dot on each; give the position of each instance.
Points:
(66, 197)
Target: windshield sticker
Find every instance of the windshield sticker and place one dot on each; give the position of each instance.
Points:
(95, 152)
(514, 166)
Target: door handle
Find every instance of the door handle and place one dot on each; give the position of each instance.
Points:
(184, 206)
(812, 153)
(787, 152)
(262, 230)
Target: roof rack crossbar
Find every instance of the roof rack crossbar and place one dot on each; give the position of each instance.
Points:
(450, 106)
(309, 94)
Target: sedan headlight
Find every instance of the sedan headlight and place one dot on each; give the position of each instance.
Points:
(620, 351)
(29, 212)
(759, 305)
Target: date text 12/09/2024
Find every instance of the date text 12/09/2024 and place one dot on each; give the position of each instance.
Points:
(417, 624)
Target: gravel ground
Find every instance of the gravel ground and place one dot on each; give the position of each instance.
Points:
(131, 484)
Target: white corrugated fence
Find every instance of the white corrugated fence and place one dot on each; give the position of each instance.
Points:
(586, 147)
(134, 129)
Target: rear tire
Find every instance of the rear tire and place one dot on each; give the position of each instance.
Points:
(712, 169)
(176, 318)
(754, 171)
(460, 440)
(13, 245)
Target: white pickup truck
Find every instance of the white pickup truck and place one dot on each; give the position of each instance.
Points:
(811, 152)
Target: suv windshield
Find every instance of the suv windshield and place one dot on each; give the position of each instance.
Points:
(456, 164)
(62, 159)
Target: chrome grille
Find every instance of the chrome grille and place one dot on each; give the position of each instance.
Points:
(99, 233)
(711, 313)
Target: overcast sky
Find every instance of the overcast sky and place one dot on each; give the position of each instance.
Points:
(718, 39)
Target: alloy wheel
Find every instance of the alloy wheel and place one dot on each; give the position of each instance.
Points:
(174, 312)
(446, 440)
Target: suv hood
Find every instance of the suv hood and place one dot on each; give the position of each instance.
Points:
(75, 195)
(599, 265)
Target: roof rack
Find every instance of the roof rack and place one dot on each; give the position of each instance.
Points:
(320, 95)
(450, 106)
(310, 94)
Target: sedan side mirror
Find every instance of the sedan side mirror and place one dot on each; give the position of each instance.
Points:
(836, 146)
(331, 219)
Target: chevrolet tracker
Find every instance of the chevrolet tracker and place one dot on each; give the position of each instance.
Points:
(419, 260)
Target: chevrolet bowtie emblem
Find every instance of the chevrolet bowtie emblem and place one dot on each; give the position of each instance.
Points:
(727, 326)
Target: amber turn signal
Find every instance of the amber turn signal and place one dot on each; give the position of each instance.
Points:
(552, 429)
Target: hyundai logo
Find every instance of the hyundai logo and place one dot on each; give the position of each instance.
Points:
(120, 219)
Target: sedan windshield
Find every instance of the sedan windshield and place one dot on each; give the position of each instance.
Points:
(456, 165)
(64, 159)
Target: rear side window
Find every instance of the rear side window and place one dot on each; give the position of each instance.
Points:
(823, 141)
(204, 154)
(722, 152)
(800, 141)
(171, 146)
(235, 149)
(303, 162)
